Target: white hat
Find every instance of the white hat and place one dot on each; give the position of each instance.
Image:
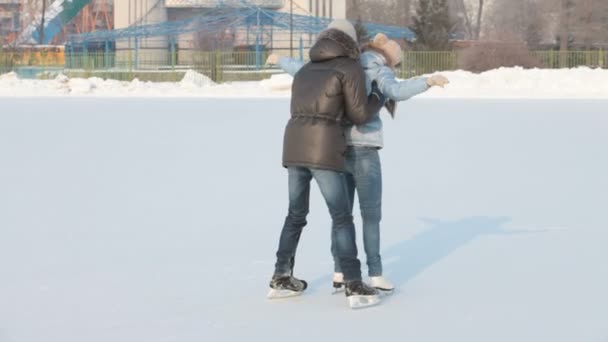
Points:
(344, 26)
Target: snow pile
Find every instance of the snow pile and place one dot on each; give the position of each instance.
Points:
(279, 82)
(9, 76)
(82, 86)
(8, 81)
(525, 83)
(499, 83)
(195, 79)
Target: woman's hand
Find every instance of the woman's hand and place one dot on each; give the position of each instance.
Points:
(437, 80)
(273, 59)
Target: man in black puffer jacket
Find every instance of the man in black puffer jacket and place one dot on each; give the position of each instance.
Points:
(326, 93)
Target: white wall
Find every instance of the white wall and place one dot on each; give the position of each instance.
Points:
(130, 12)
(335, 9)
(321, 8)
(141, 12)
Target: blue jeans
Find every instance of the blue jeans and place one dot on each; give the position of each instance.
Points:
(364, 174)
(335, 191)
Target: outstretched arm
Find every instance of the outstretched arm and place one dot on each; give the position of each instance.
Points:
(400, 90)
(288, 64)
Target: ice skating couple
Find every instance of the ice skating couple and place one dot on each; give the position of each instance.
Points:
(334, 136)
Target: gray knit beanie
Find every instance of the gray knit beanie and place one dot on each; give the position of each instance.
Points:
(344, 26)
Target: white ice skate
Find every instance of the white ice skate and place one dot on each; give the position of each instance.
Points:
(285, 287)
(382, 284)
(361, 295)
(338, 282)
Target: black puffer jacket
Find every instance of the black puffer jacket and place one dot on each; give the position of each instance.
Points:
(326, 93)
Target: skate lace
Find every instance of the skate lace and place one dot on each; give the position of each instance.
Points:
(360, 287)
(288, 281)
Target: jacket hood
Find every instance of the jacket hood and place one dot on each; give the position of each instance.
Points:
(332, 44)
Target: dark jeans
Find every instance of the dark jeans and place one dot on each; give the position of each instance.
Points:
(335, 191)
(364, 174)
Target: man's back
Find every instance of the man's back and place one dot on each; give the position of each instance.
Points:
(326, 91)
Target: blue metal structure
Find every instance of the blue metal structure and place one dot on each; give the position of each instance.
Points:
(257, 29)
(258, 21)
(273, 4)
(59, 13)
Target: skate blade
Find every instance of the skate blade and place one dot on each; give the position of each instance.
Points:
(278, 294)
(338, 287)
(360, 302)
(385, 292)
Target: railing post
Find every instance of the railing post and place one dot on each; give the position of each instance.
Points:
(601, 58)
(258, 56)
(173, 57)
(220, 66)
(106, 55)
(85, 56)
(67, 56)
(301, 49)
(403, 61)
(72, 56)
(272, 36)
(214, 67)
(563, 59)
(136, 61)
(258, 42)
(130, 60)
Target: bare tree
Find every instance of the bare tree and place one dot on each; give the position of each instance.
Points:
(405, 12)
(42, 13)
(459, 18)
(479, 16)
(388, 12)
(354, 10)
(516, 19)
(589, 23)
(564, 25)
(580, 24)
(470, 15)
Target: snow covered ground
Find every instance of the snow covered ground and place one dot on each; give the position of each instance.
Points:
(142, 219)
(501, 83)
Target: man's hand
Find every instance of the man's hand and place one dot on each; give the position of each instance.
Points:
(376, 92)
(437, 80)
(273, 59)
(391, 107)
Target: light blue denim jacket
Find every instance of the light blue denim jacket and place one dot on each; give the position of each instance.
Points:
(374, 64)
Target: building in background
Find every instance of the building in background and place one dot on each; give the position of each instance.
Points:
(10, 12)
(21, 20)
(128, 13)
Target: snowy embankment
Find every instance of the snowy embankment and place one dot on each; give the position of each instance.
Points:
(500, 83)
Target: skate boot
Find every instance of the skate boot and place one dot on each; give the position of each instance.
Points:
(381, 284)
(361, 295)
(283, 286)
(338, 282)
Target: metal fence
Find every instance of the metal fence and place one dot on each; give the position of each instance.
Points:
(416, 63)
(221, 66)
(224, 66)
(572, 59)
